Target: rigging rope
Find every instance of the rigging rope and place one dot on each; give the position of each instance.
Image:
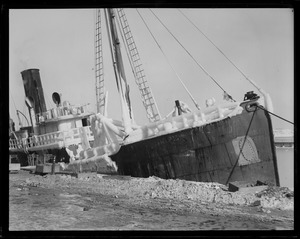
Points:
(189, 54)
(124, 43)
(48, 100)
(24, 107)
(194, 101)
(110, 43)
(275, 115)
(13, 101)
(241, 149)
(219, 49)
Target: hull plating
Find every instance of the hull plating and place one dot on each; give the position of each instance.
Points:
(207, 153)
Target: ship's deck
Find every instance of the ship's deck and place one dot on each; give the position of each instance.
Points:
(55, 140)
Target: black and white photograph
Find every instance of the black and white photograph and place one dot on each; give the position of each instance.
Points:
(151, 119)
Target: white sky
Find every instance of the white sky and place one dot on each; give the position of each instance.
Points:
(60, 42)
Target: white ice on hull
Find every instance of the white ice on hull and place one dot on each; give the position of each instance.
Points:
(108, 136)
(106, 143)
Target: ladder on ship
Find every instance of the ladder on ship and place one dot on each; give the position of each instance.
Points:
(99, 73)
(139, 74)
(135, 62)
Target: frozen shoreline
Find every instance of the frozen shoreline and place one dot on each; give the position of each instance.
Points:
(101, 202)
(155, 187)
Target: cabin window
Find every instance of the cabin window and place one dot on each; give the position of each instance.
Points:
(84, 122)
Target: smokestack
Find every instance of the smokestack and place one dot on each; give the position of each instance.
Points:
(34, 89)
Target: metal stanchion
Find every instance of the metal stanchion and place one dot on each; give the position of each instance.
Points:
(53, 166)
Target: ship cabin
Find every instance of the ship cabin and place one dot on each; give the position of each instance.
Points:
(56, 128)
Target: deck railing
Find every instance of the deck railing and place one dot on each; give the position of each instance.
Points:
(59, 138)
(58, 112)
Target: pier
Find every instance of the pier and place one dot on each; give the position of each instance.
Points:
(284, 138)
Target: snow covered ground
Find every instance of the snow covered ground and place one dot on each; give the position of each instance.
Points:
(103, 202)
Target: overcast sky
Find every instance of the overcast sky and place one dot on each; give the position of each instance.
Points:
(60, 42)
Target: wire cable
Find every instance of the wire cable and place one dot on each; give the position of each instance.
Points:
(194, 101)
(13, 100)
(219, 50)
(241, 149)
(189, 53)
(275, 115)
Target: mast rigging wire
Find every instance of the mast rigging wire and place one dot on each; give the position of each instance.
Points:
(135, 74)
(194, 101)
(13, 99)
(125, 45)
(48, 101)
(219, 49)
(14, 104)
(275, 115)
(241, 149)
(24, 107)
(189, 53)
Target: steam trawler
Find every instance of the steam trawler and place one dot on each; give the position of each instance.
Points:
(225, 142)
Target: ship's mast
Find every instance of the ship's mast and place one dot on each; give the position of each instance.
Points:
(133, 57)
(138, 71)
(121, 81)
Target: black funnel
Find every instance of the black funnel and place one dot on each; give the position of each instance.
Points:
(34, 89)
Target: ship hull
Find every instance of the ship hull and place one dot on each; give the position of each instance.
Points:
(215, 152)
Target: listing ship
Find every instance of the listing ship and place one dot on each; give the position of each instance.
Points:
(225, 142)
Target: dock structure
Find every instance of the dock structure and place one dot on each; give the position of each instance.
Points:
(283, 138)
(13, 167)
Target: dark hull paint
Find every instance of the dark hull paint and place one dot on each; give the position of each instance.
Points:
(205, 153)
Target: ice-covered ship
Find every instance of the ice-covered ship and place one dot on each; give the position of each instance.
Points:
(230, 141)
